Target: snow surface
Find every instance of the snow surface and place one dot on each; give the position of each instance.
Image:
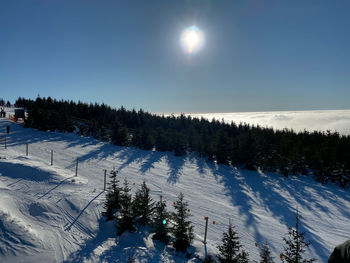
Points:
(321, 120)
(49, 215)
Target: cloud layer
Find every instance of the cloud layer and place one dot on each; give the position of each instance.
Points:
(333, 120)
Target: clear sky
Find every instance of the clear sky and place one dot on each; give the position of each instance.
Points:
(258, 55)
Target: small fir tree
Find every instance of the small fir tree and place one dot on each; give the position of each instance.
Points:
(160, 222)
(231, 249)
(112, 202)
(143, 205)
(295, 245)
(265, 254)
(182, 229)
(125, 221)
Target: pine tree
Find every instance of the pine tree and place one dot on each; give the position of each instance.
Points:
(223, 148)
(295, 245)
(160, 222)
(230, 250)
(112, 202)
(125, 221)
(182, 229)
(120, 135)
(143, 205)
(265, 254)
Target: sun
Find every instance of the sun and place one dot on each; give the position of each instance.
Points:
(192, 39)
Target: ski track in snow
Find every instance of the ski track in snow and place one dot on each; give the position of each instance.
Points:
(49, 215)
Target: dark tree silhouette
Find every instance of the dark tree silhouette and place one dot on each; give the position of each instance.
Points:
(295, 245)
(231, 250)
(143, 205)
(160, 222)
(112, 202)
(182, 229)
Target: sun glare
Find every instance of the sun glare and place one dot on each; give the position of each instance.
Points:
(192, 39)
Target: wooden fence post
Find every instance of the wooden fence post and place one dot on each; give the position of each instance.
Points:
(76, 168)
(206, 229)
(51, 157)
(26, 149)
(5, 144)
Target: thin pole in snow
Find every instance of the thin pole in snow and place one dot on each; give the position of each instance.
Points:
(5, 144)
(26, 149)
(206, 229)
(76, 168)
(104, 184)
(51, 157)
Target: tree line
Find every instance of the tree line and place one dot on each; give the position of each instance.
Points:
(4, 104)
(177, 229)
(326, 155)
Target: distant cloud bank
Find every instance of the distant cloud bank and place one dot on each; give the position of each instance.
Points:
(333, 120)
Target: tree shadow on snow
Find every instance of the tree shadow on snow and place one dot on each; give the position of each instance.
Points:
(82, 211)
(141, 246)
(56, 186)
(20, 136)
(149, 160)
(102, 152)
(105, 231)
(128, 156)
(21, 171)
(106, 246)
(248, 188)
(175, 164)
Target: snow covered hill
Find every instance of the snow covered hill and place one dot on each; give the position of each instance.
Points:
(49, 215)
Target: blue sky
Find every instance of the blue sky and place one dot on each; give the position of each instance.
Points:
(258, 55)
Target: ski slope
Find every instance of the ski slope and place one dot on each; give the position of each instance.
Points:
(49, 215)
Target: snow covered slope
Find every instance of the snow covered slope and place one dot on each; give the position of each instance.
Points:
(49, 215)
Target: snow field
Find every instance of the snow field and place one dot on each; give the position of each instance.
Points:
(46, 213)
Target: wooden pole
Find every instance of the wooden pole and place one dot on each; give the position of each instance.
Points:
(76, 168)
(26, 149)
(206, 229)
(5, 144)
(104, 184)
(51, 157)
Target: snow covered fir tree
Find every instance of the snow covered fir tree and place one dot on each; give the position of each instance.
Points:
(182, 228)
(231, 249)
(295, 245)
(265, 254)
(160, 222)
(112, 203)
(143, 205)
(125, 219)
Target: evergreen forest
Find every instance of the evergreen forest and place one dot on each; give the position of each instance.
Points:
(325, 155)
